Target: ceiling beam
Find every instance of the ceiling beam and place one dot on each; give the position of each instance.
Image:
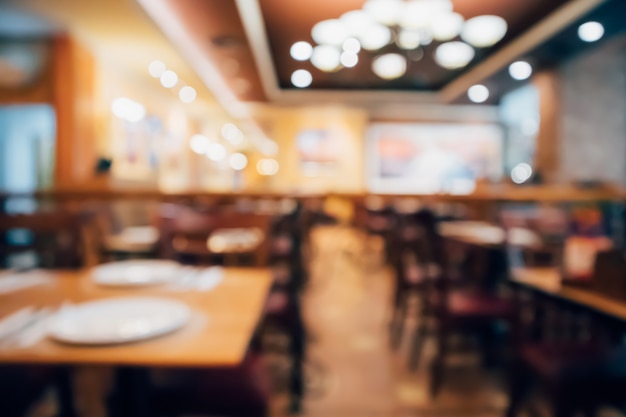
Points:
(542, 31)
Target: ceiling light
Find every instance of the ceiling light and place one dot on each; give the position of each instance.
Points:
(447, 26)
(156, 68)
(330, 32)
(352, 45)
(357, 22)
(326, 58)
(376, 37)
(419, 14)
(521, 173)
(267, 167)
(169, 79)
(187, 94)
(301, 51)
(484, 31)
(389, 66)
(215, 152)
(590, 31)
(520, 70)
(408, 39)
(301, 78)
(199, 144)
(128, 110)
(349, 59)
(232, 134)
(454, 55)
(238, 161)
(269, 147)
(478, 93)
(387, 12)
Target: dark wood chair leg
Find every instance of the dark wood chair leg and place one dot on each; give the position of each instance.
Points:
(65, 392)
(417, 345)
(438, 365)
(397, 323)
(519, 383)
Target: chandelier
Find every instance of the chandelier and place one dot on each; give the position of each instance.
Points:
(410, 25)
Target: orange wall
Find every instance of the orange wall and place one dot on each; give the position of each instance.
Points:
(348, 129)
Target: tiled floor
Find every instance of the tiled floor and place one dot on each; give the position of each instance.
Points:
(347, 310)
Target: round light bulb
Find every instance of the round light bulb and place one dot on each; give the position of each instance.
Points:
(330, 32)
(521, 173)
(377, 37)
(389, 66)
(326, 58)
(591, 31)
(156, 68)
(420, 14)
(199, 144)
(267, 167)
(215, 152)
(520, 70)
(352, 45)
(238, 161)
(484, 31)
(357, 22)
(387, 12)
(169, 79)
(187, 94)
(447, 26)
(301, 51)
(478, 93)
(454, 55)
(409, 39)
(349, 59)
(301, 78)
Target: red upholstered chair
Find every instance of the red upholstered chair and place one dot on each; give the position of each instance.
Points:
(455, 306)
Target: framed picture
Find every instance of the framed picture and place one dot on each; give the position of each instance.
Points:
(432, 158)
(318, 151)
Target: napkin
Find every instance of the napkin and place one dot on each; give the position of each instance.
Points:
(11, 282)
(16, 321)
(199, 279)
(209, 278)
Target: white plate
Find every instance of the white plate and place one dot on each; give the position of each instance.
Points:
(136, 272)
(118, 320)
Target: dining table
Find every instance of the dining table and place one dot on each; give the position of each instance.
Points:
(221, 326)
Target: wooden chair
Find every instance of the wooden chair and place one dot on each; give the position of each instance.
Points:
(54, 238)
(185, 234)
(407, 250)
(455, 306)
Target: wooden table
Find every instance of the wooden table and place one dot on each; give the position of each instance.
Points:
(222, 324)
(548, 281)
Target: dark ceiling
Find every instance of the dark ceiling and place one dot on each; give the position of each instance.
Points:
(289, 21)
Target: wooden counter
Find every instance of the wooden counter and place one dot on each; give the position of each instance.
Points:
(548, 281)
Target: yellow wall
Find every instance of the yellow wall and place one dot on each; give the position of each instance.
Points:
(348, 128)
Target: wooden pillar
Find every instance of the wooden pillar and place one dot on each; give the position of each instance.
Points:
(549, 137)
(73, 92)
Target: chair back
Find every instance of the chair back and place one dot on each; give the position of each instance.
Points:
(186, 233)
(47, 239)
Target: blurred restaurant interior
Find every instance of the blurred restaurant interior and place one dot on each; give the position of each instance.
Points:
(326, 208)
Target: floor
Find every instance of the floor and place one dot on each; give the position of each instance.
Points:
(353, 370)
